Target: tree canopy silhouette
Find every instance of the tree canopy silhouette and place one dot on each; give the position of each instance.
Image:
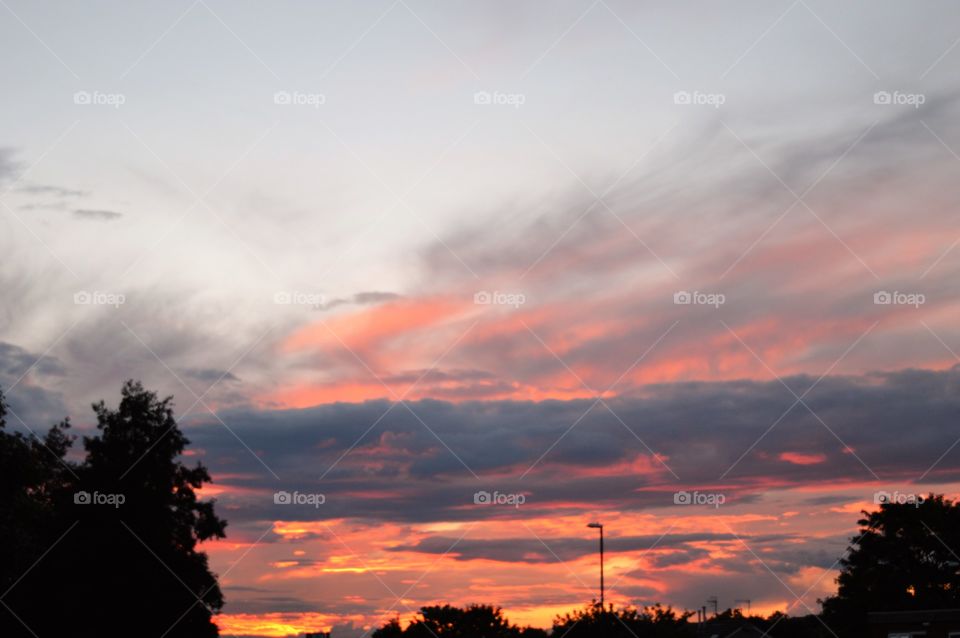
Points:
(106, 545)
(902, 560)
(447, 621)
(776, 625)
(596, 620)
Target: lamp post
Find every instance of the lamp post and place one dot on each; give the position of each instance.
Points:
(599, 526)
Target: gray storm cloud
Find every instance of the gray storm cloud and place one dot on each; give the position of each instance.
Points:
(873, 429)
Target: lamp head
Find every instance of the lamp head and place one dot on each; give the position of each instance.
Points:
(595, 525)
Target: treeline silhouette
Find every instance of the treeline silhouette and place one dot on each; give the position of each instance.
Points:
(104, 543)
(594, 621)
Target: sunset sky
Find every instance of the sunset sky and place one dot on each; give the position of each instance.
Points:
(398, 253)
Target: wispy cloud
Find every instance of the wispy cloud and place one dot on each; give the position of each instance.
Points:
(97, 214)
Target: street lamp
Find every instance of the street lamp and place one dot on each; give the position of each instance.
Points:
(599, 526)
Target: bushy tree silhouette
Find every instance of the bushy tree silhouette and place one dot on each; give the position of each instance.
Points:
(33, 476)
(107, 546)
(597, 621)
(903, 559)
(446, 621)
(392, 629)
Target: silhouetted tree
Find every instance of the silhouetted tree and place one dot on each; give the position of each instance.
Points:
(596, 621)
(446, 621)
(903, 560)
(108, 546)
(391, 629)
(32, 474)
(776, 625)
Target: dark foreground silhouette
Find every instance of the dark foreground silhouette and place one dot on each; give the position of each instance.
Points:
(594, 621)
(106, 546)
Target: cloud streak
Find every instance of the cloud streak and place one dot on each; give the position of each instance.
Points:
(97, 214)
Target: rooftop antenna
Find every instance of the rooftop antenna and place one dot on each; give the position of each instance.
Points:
(713, 601)
(743, 600)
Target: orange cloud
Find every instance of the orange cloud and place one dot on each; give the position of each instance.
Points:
(799, 458)
(369, 329)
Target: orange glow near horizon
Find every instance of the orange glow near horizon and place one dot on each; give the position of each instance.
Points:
(277, 625)
(349, 563)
